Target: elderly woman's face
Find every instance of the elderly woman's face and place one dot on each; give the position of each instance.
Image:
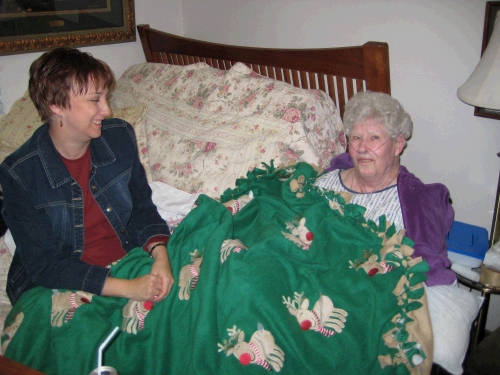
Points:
(372, 150)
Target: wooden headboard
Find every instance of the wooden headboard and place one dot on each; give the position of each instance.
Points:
(340, 72)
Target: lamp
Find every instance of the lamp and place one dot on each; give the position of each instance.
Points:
(482, 87)
(482, 90)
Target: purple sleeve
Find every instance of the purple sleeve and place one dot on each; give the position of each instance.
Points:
(428, 215)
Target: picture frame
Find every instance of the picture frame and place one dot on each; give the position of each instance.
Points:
(38, 25)
(492, 7)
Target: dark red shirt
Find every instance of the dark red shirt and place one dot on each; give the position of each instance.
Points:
(102, 246)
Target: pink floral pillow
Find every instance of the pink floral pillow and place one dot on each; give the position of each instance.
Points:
(311, 110)
(204, 127)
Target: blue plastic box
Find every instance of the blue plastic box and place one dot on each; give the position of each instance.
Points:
(467, 244)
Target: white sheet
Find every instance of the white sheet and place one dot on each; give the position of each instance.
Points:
(452, 312)
(173, 204)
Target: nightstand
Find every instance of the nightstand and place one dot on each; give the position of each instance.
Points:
(10, 367)
(486, 292)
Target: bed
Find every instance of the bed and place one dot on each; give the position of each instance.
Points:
(272, 295)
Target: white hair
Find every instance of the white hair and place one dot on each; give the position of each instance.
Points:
(381, 107)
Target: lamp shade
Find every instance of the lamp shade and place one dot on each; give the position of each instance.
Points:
(482, 88)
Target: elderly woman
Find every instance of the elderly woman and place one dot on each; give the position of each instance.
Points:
(75, 194)
(377, 128)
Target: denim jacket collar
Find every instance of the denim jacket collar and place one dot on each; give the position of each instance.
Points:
(54, 167)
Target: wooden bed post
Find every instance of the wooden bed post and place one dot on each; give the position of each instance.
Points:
(376, 56)
(145, 41)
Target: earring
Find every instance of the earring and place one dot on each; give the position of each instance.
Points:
(61, 122)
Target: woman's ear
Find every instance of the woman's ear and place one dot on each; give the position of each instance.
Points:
(400, 144)
(55, 110)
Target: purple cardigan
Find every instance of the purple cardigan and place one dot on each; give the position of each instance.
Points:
(427, 217)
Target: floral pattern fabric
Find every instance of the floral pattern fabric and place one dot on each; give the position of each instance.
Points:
(5, 261)
(206, 127)
(18, 124)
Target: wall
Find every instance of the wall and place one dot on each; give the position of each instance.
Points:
(434, 46)
(160, 14)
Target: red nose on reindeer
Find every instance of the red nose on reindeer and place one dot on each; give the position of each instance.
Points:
(230, 209)
(148, 305)
(309, 236)
(305, 325)
(373, 272)
(85, 300)
(245, 359)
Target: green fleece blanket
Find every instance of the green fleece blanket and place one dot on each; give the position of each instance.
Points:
(289, 279)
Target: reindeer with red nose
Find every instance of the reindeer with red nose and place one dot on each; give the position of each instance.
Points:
(323, 318)
(134, 315)
(260, 350)
(64, 305)
(299, 234)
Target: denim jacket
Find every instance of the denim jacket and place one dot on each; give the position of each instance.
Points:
(427, 216)
(43, 208)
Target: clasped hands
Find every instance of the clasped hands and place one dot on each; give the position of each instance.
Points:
(153, 287)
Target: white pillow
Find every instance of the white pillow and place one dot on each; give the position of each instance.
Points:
(452, 312)
(9, 242)
(172, 204)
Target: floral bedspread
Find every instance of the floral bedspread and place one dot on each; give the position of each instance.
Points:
(5, 261)
(281, 277)
(205, 127)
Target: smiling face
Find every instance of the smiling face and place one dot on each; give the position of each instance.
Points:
(374, 153)
(81, 121)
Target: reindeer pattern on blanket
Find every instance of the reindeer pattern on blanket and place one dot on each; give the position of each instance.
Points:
(287, 281)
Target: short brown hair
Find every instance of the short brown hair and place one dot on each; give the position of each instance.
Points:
(54, 74)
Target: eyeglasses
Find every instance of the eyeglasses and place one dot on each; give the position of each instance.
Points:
(367, 145)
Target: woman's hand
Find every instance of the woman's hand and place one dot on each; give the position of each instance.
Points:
(161, 268)
(142, 288)
(153, 287)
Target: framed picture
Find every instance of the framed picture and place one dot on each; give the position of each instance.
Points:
(492, 7)
(37, 25)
